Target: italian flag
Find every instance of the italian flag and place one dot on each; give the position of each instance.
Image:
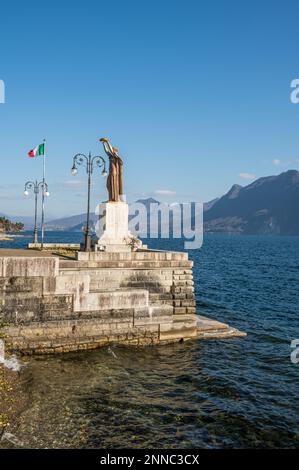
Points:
(37, 151)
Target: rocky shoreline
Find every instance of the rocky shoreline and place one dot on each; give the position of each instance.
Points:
(8, 236)
(12, 402)
(5, 237)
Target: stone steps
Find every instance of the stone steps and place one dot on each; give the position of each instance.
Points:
(211, 329)
(144, 255)
(131, 264)
(229, 333)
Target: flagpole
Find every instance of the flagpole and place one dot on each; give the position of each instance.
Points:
(43, 197)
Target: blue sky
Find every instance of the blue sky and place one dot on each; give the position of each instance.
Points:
(194, 94)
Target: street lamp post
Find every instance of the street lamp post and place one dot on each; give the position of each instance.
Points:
(89, 162)
(35, 186)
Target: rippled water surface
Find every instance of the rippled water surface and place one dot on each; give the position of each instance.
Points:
(229, 393)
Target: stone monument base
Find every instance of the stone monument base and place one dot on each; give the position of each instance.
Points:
(113, 228)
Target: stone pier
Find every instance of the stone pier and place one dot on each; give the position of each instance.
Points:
(49, 304)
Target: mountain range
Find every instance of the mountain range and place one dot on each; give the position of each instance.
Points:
(269, 205)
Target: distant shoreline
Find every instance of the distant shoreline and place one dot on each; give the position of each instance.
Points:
(4, 236)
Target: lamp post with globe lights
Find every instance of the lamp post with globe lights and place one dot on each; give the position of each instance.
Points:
(36, 188)
(89, 162)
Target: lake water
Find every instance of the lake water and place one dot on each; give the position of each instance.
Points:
(217, 393)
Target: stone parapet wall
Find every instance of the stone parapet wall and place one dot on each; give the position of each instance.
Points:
(32, 267)
(116, 300)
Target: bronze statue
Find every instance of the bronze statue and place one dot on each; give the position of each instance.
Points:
(115, 176)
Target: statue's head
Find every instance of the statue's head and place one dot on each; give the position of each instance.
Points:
(115, 150)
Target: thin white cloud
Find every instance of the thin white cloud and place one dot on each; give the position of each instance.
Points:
(247, 176)
(11, 197)
(74, 182)
(276, 162)
(72, 185)
(164, 192)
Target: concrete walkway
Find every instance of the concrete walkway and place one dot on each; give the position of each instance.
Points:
(13, 252)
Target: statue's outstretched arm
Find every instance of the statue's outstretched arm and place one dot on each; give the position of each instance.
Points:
(107, 146)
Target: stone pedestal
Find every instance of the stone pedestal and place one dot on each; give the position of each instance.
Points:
(112, 228)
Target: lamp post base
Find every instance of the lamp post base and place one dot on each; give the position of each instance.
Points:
(35, 239)
(87, 242)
